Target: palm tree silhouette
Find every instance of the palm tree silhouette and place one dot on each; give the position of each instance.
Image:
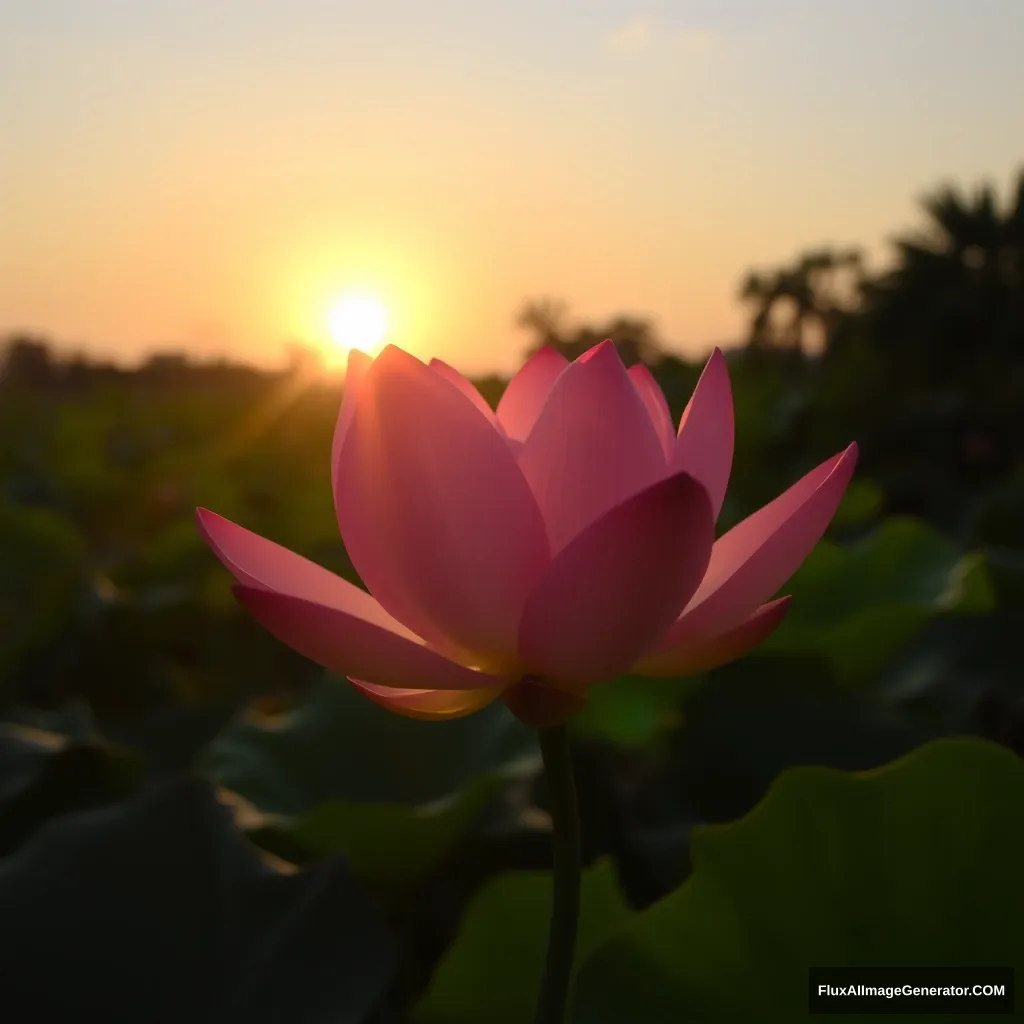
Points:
(954, 302)
(634, 337)
(816, 291)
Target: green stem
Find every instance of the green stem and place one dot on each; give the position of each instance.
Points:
(565, 905)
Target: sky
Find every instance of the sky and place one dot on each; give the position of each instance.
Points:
(213, 177)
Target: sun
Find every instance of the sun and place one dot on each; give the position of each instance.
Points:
(358, 321)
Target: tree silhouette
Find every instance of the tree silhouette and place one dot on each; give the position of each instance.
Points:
(546, 319)
(951, 311)
(633, 337)
(816, 292)
(27, 361)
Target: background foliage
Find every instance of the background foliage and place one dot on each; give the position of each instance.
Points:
(383, 870)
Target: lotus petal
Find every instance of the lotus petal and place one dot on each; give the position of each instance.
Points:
(612, 592)
(704, 445)
(435, 513)
(592, 446)
(325, 617)
(428, 704)
(465, 386)
(351, 645)
(703, 655)
(758, 555)
(657, 408)
(358, 364)
(527, 391)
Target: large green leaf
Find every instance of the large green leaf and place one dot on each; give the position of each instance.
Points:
(766, 713)
(160, 911)
(492, 971)
(339, 746)
(341, 775)
(858, 605)
(387, 845)
(46, 774)
(914, 864)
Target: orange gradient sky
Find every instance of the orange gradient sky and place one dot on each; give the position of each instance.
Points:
(214, 176)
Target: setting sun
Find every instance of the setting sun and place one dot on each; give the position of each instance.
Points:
(358, 321)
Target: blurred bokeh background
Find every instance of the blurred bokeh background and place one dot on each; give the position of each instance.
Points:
(204, 206)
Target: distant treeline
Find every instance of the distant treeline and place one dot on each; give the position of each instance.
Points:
(30, 362)
(923, 364)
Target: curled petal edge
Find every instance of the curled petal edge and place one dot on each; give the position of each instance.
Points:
(695, 656)
(428, 705)
(352, 646)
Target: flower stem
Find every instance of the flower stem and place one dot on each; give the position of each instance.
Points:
(565, 906)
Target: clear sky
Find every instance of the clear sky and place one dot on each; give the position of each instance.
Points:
(214, 174)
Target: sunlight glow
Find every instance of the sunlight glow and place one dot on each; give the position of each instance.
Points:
(358, 321)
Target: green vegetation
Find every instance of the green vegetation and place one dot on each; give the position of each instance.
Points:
(728, 845)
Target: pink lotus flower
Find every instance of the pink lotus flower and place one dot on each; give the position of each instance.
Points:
(530, 553)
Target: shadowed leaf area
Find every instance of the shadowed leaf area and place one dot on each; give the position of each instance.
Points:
(831, 869)
(199, 824)
(159, 910)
